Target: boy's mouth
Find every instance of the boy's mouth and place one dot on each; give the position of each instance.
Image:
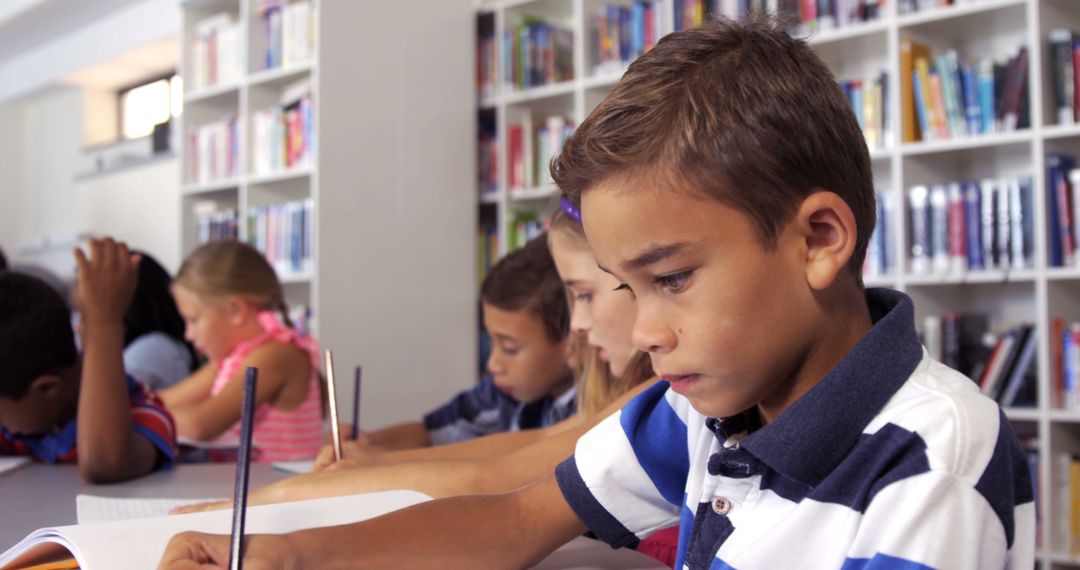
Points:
(681, 382)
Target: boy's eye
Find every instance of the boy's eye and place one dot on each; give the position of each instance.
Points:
(625, 287)
(583, 297)
(673, 283)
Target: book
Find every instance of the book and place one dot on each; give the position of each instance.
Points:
(95, 545)
(1061, 74)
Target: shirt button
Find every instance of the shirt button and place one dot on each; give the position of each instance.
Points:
(721, 505)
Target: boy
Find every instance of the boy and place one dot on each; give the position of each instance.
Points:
(526, 316)
(725, 182)
(123, 429)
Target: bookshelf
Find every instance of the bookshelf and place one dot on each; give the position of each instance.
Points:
(1032, 291)
(349, 205)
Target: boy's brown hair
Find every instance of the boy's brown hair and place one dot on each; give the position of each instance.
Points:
(526, 279)
(741, 112)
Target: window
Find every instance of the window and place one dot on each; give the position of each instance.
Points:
(147, 104)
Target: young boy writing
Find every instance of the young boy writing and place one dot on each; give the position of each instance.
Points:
(48, 394)
(526, 315)
(725, 182)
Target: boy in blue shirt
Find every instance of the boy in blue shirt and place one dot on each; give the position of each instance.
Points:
(530, 386)
(48, 393)
(726, 183)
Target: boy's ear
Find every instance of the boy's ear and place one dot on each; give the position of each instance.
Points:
(47, 385)
(828, 226)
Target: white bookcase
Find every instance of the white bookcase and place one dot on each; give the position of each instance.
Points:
(391, 282)
(979, 27)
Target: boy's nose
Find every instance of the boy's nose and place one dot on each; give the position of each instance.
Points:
(652, 335)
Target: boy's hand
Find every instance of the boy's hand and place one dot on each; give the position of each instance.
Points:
(106, 280)
(195, 550)
(353, 454)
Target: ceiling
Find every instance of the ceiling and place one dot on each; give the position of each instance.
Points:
(26, 25)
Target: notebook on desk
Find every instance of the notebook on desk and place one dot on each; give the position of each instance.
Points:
(95, 545)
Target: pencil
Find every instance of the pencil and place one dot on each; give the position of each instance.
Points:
(243, 462)
(356, 405)
(331, 389)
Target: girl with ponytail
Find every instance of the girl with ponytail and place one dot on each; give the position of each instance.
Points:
(235, 314)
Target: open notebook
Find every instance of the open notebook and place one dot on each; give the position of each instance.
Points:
(139, 543)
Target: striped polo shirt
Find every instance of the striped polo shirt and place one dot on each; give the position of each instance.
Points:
(148, 418)
(892, 461)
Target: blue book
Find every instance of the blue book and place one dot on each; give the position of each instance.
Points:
(986, 95)
(972, 222)
(1057, 171)
(972, 109)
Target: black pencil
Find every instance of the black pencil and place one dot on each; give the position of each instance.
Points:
(243, 462)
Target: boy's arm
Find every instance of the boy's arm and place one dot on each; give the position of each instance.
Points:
(406, 435)
(513, 530)
(109, 449)
(499, 474)
(209, 418)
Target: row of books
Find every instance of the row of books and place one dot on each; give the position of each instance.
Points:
(220, 224)
(290, 32)
(972, 226)
(813, 15)
(216, 51)
(531, 149)
(869, 99)
(620, 34)
(213, 151)
(1063, 210)
(535, 53)
(282, 136)
(880, 252)
(283, 233)
(1002, 364)
(950, 96)
(909, 6)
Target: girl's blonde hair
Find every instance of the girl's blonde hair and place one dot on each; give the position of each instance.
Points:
(226, 267)
(598, 386)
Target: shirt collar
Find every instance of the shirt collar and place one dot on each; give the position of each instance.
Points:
(810, 438)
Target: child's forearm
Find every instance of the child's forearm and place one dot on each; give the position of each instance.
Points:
(484, 447)
(480, 531)
(409, 435)
(109, 449)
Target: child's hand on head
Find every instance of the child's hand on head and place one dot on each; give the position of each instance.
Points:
(106, 280)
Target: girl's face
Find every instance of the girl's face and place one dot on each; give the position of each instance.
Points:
(211, 327)
(601, 312)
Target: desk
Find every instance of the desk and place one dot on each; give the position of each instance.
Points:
(36, 496)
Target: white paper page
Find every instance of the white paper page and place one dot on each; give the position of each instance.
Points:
(93, 508)
(11, 463)
(139, 544)
(294, 466)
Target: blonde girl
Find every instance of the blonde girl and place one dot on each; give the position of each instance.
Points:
(235, 314)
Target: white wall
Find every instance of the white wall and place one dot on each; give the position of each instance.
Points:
(11, 177)
(51, 141)
(140, 205)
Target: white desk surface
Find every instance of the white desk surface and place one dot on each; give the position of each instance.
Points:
(36, 496)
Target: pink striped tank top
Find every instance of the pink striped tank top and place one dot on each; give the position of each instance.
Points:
(278, 435)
